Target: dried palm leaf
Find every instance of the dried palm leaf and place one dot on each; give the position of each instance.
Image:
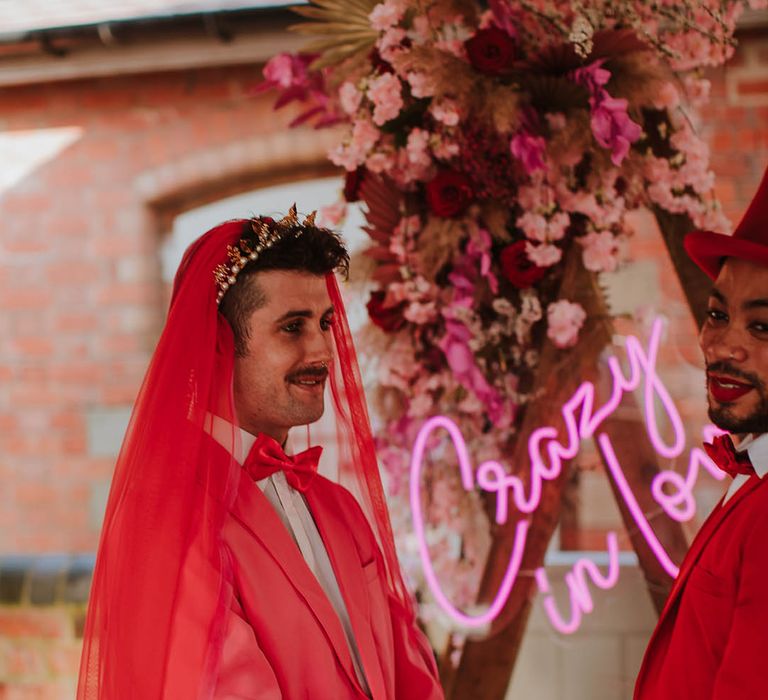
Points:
(499, 106)
(438, 243)
(638, 78)
(450, 76)
(495, 216)
(617, 42)
(562, 58)
(382, 199)
(342, 27)
(552, 93)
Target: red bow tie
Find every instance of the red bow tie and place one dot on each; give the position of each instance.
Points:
(722, 452)
(267, 457)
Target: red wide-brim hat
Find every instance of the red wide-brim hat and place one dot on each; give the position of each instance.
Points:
(748, 242)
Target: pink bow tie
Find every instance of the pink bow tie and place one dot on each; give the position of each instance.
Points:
(722, 452)
(267, 457)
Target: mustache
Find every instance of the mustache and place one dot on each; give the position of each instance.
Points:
(319, 372)
(724, 367)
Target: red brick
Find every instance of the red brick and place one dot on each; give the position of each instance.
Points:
(64, 658)
(25, 661)
(76, 372)
(752, 87)
(73, 272)
(76, 321)
(120, 394)
(120, 344)
(110, 245)
(35, 346)
(46, 624)
(126, 293)
(8, 422)
(26, 244)
(52, 690)
(30, 297)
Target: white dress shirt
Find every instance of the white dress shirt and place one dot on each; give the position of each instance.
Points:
(292, 510)
(756, 446)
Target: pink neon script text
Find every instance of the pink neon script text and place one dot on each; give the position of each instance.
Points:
(672, 491)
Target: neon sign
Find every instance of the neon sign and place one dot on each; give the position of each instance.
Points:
(672, 491)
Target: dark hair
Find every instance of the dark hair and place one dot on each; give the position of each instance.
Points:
(303, 248)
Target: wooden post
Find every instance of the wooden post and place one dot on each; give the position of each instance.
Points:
(486, 665)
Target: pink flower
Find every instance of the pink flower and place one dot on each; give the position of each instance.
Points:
(333, 215)
(350, 97)
(593, 76)
(534, 226)
(420, 312)
(422, 85)
(613, 128)
(668, 97)
(610, 122)
(461, 360)
(364, 135)
(529, 150)
(354, 153)
(385, 15)
(421, 30)
(506, 16)
(536, 197)
(479, 250)
(386, 94)
(420, 405)
(557, 225)
(380, 162)
(564, 320)
(601, 251)
(445, 112)
(697, 90)
(544, 255)
(390, 43)
(417, 147)
(555, 120)
(443, 149)
(286, 70)
(581, 202)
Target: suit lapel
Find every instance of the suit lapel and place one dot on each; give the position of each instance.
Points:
(343, 552)
(256, 514)
(708, 529)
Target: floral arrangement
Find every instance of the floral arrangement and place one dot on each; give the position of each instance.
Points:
(491, 143)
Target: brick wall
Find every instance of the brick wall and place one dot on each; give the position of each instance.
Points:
(81, 299)
(42, 610)
(93, 173)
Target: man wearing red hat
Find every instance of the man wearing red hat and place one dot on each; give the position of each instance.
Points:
(712, 636)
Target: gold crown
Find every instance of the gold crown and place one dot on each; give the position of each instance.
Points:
(266, 233)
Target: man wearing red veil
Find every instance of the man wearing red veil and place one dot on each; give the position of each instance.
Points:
(228, 570)
(712, 635)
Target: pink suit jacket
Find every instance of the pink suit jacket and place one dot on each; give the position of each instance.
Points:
(711, 641)
(285, 640)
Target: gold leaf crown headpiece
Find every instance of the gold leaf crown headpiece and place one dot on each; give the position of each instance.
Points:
(266, 232)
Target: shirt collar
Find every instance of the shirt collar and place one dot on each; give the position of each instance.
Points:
(757, 449)
(221, 431)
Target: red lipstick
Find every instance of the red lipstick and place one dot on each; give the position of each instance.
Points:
(725, 390)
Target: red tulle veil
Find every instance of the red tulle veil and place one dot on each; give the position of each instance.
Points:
(161, 538)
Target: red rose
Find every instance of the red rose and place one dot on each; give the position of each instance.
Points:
(517, 267)
(352, 183)
(389, 318)
(491, 51)
(449, 193)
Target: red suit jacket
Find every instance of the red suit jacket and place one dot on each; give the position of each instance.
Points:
(284, 639)
(711, 640)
